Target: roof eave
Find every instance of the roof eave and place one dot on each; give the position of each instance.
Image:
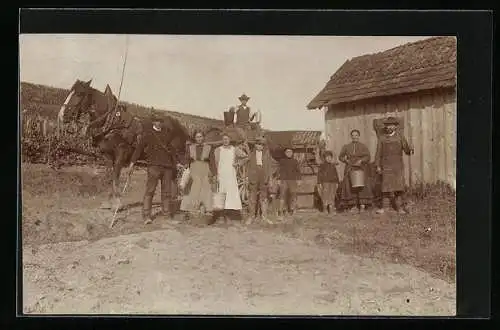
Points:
(334, 101)
(315, 105)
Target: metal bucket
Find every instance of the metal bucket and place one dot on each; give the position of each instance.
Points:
(357, 178)
(218, 201)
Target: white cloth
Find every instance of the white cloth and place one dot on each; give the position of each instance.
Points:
(227, 178)
(258, 156)
(257, 118)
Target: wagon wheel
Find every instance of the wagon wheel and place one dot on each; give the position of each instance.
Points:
(242, 178)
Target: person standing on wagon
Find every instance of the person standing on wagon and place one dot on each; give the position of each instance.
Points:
(225, 162)
(355, 156)
(389, 162)
(199, 192)
(161, 166)
(243, 115)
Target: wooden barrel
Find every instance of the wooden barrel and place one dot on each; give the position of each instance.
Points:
(357, 177)
(228, 118)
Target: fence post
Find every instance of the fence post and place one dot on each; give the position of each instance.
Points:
(28, 125)
(48, 150)
(44, 127)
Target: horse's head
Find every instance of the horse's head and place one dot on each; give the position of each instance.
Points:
(177, 134)
(77, 101)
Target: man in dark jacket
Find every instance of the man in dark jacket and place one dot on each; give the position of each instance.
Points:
(155, 142)
(289, 174)
(260, 163)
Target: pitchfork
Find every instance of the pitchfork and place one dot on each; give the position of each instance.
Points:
(119, 200)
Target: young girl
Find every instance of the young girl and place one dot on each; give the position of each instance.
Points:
(328, 180)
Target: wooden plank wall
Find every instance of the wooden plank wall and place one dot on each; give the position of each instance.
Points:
(430, 123)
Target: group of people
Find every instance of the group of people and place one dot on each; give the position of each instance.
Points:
(385, 181)
(215, 170)
(212, 171)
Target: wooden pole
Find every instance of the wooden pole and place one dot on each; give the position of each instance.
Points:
(410, 137)
(116, 105)
(123, 71)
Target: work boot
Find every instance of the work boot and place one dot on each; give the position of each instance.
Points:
(264, 208)
(165, 210)
(406, 208)
(380, 211)
(212, 219)
(281, 215)
(146, 209)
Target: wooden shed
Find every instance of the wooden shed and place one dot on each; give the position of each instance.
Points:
(415, 81)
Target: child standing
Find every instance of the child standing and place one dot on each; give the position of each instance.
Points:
(289, 174)
(328, 180)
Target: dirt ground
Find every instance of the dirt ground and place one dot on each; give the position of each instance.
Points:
(348, 264)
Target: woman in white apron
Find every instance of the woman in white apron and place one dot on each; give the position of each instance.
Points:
(225, 160)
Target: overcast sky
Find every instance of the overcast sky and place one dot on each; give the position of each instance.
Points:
(202, 75)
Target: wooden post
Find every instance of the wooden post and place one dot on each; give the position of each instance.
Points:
(410, 137)
(48, 151)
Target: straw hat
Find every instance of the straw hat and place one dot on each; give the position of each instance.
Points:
(243, 97)
(391, 121)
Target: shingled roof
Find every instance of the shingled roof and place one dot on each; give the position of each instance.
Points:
(421, 65)
(280, 139)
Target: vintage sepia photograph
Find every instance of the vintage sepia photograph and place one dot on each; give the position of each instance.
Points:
(238, 174)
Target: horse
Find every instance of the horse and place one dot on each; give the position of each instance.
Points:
(114, 130)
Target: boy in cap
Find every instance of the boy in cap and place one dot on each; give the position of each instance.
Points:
(289, 174)
(161, 166)
(328, 179)
(389, 162)
(259, 175)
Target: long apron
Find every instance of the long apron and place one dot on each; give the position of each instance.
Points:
(227, 179)
(200, 192)
(392, 165)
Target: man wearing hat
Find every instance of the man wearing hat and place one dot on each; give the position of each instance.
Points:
(389, 162)
(243, 115)
(259, 174)
(160, 159)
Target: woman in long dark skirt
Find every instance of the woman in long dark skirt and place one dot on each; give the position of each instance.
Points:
(355, 155)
